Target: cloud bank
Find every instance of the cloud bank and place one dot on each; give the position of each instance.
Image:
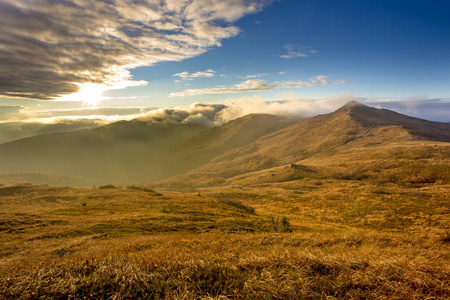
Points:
(51, 48)
(253, 85)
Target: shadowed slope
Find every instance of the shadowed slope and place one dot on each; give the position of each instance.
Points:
(113, 152)
(204, 147)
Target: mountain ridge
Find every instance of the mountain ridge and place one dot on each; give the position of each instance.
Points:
(136, 151)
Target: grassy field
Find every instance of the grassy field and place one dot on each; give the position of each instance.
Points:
(342, 239)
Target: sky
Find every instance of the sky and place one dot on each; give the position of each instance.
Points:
(68, 60)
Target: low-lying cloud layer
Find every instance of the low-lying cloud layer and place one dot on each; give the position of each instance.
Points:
(253, 85)
(15, 123)
(50, 48)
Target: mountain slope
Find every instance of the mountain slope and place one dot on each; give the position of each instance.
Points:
(202, 148)
(132, 150)
(353, 136)
(113, 152)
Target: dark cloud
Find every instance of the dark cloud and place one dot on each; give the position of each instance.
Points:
(49, 48)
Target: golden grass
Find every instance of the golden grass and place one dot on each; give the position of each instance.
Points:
(352, 239)
(352, 265)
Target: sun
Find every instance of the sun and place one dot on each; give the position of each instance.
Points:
(90, 93)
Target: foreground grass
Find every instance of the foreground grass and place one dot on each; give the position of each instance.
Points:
(255, 266)
(351, 240)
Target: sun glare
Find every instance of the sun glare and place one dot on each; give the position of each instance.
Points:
(89, 93)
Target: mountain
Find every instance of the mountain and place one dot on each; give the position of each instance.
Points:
(204, 147)
(353, 142)
(109, 153)
(11, 131)
(132, 150)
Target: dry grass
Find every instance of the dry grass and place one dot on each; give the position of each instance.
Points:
(355, 265)
(352, 239)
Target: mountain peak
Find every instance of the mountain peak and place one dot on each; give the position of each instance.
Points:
(354, 103)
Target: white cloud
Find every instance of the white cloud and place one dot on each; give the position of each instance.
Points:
(256, 75)
(190, 76)
(296, 108)
(258, 85)
(294, 52)
(50, 48)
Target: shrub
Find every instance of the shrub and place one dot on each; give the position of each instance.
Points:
(285, 225)
(143, 189)
(107, 187)
(237, 204)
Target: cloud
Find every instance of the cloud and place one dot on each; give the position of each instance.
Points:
(191, 76)
(196, 113)
(253, 85)
(256, 75)
(294, 108)
(294, 52)
(51, 48)
(9, 112)
(436, 109)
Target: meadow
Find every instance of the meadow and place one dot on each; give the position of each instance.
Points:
(341, 239)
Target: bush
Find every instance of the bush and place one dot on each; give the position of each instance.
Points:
(143, 189)
(107, 187)
(237, 204)
(285, 225)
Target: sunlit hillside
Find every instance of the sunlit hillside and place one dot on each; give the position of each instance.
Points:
(354, 142)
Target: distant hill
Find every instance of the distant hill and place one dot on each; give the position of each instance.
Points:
(43, 178)
(355, 139)
(11, 131)
(109, 153)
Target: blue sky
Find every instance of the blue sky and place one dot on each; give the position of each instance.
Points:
(383, 51)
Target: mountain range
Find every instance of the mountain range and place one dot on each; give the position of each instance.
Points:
(356, 141)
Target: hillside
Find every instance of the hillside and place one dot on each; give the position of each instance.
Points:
(204, 147)
(354, 141)
(132, 150)
(113, 152)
